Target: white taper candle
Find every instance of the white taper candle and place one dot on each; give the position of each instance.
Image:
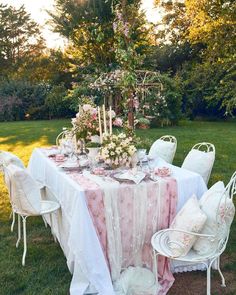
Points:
(100, 124)
(104, 118)
(110, 121)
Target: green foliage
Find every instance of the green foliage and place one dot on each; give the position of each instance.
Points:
(144, 121)
(50, 67)
(18, 97)
(56, 104)
(207, 30)
(88, 26)
(209, 89)
(20, 39)
(163, 106)
(21, 100)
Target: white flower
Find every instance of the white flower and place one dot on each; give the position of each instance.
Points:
(122, 136)
(113, 114)
(131, 150)
(124, 155)
(118, 150)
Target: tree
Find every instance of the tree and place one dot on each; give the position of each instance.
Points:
(88, 27)
(20, 38)
(208, 27)
(50, 67)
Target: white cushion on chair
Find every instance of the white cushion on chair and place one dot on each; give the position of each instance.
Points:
(7, 158)
(209, 203)
(190, 218)
(199, 162)
(25, 192)
(163, 149)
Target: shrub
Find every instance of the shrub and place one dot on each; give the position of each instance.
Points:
(163, 106)
(18, 97)
(55, 104)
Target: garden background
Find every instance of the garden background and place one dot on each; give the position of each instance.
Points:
(189, 55)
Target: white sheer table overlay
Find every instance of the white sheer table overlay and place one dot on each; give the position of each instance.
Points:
(105, 227)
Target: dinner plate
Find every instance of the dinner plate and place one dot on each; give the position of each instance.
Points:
(121, 177)
(69, 165)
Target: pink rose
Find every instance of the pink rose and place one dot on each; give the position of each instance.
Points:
(118, 122)
(94, 117)
(86, 107)
(93, 111)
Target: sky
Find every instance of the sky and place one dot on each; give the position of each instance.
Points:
(37, 9)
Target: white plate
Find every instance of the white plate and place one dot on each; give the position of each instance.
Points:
(125, 176)
(69, 165)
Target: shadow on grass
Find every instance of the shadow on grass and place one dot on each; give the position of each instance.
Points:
(30, 131)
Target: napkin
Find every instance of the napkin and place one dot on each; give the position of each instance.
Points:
(162, 171)
(136, 177)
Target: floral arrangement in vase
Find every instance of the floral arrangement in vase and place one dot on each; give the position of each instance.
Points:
(89, 120)
(85, 124)
(117, 150)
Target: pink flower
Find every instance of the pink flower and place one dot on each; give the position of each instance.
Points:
(94, 117)
(86, 107)
(118, 122)
(93, 111)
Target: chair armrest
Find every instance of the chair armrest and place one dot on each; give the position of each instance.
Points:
(188, 232)
(164, 243)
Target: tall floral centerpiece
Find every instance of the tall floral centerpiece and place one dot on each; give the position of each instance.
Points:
(85, 124)
(93, 121)
(117, 150)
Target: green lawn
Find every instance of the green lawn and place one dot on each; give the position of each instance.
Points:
(46, 271)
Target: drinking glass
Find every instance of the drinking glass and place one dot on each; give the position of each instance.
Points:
(141, 156)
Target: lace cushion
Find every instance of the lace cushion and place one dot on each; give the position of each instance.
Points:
(220, 211)
(199, 162)
(25, 192)
(7, 158)
(163, 149)
(190, 218)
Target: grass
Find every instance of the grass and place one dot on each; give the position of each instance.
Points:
(46, 270)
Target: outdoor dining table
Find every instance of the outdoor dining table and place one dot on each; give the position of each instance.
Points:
(105, 226)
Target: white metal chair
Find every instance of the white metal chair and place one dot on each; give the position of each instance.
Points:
(201, 159)
(25, 196)
(162, 245)
(7, 158)
(164, 147)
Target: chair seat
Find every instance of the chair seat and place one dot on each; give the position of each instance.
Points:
(48, 207)
(159, 243)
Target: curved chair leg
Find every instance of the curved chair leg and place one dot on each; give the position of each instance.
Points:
(25, 241)
(45, 222)
(53, 234)
(220, 272)
(13, 220)
(19, 231)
